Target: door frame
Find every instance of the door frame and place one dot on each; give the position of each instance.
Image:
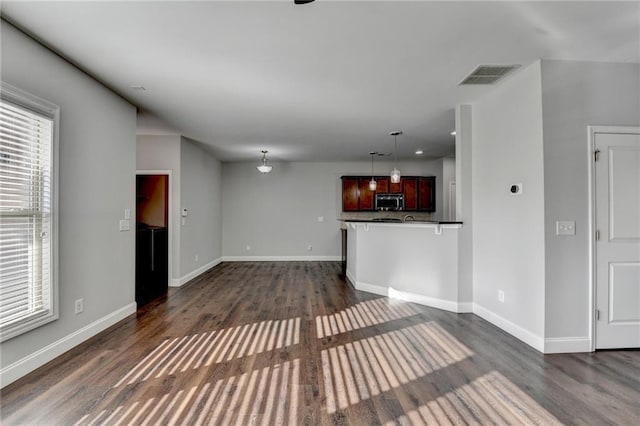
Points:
(593, 131)
(170, 226)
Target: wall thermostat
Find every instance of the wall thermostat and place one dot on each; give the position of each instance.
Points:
(185, 212)
(516, 189)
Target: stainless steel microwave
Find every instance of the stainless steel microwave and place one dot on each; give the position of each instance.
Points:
(389, 202)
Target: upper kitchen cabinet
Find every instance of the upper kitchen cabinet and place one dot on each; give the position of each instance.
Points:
(356, 195)
(396, 188)
(350, 194)
(366, 199)
(410, 191)
(418, 191)
(382, 184)
(427, 194)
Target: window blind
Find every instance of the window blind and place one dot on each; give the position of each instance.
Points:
(26, 143)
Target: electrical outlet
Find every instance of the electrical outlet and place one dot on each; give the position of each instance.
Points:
(196, 257)
(566, 227)
(309, 247)
(320, 218)
(79, 306)
(248, 247)
(501, 296)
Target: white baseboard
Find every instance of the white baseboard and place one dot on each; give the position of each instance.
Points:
(371, 288)
(24, 366)
(178, 282)
(465, 307)
(281, 258)
(446, 305)
(433, 302)
(515, 330)
(563, 345)
(350, 279)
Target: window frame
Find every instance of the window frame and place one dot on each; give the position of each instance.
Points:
(34, 104)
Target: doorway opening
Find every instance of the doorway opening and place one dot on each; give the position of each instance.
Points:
(152, 237)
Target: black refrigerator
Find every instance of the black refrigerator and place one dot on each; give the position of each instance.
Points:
(152, 263)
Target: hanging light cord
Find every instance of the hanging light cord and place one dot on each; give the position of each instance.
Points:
(395, 152)
(372, 165)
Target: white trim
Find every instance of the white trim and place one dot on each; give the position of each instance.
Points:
(178, 282)
(515, 330)
(465, 307)
(371, 288)
(281, 258)
(445, 305)
(350, 279)
(592, 131)
(562, 345)
(24, 366)
(170, 227)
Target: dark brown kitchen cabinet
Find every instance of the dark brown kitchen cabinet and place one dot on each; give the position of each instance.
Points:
(395, 188)
(366, 199)
(418, 191)
(350, 194)
(427, 194)
(382, 184)
(356, 195)
(410, 191)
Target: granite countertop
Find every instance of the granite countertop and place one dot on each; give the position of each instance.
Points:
(401, 222)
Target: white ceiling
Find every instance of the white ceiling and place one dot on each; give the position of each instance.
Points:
(319, 82)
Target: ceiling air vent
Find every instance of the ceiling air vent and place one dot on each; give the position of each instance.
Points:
(488, 74)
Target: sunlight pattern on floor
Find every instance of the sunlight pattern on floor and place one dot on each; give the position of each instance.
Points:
(267, 396)
(363, 314)
(490, 399)
(364, 368)
(191, 352)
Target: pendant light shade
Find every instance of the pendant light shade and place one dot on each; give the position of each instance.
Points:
(264, 167)
(395, 173)
(373, 185)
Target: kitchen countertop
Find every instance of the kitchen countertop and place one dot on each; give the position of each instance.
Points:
(401, 222)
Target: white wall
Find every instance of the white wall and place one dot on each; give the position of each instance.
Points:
(416, 262)
(162, 152)
(448, 175)
(97, 175)
(464, 200)
(197, 186)
(276, 214)
(508, 230)
(201, 194)
(575, 95)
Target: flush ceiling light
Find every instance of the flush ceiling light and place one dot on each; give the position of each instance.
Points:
(419, 152)
(395, 173)
(372, 183)
(453, 133)
(264, 167)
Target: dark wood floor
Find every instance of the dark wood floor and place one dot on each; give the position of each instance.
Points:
(292, 343)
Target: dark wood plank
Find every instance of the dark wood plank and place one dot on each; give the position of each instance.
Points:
(293, 343)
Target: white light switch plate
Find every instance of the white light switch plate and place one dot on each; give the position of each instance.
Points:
(566, 227)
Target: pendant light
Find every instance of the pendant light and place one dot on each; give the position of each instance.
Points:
(372, 183)
(395, 173)
(264, 167)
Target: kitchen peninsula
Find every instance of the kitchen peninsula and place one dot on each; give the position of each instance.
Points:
(416, 261)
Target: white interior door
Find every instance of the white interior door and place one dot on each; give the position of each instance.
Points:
(617, 246)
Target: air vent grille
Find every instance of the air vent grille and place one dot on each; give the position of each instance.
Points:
(488, 74)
